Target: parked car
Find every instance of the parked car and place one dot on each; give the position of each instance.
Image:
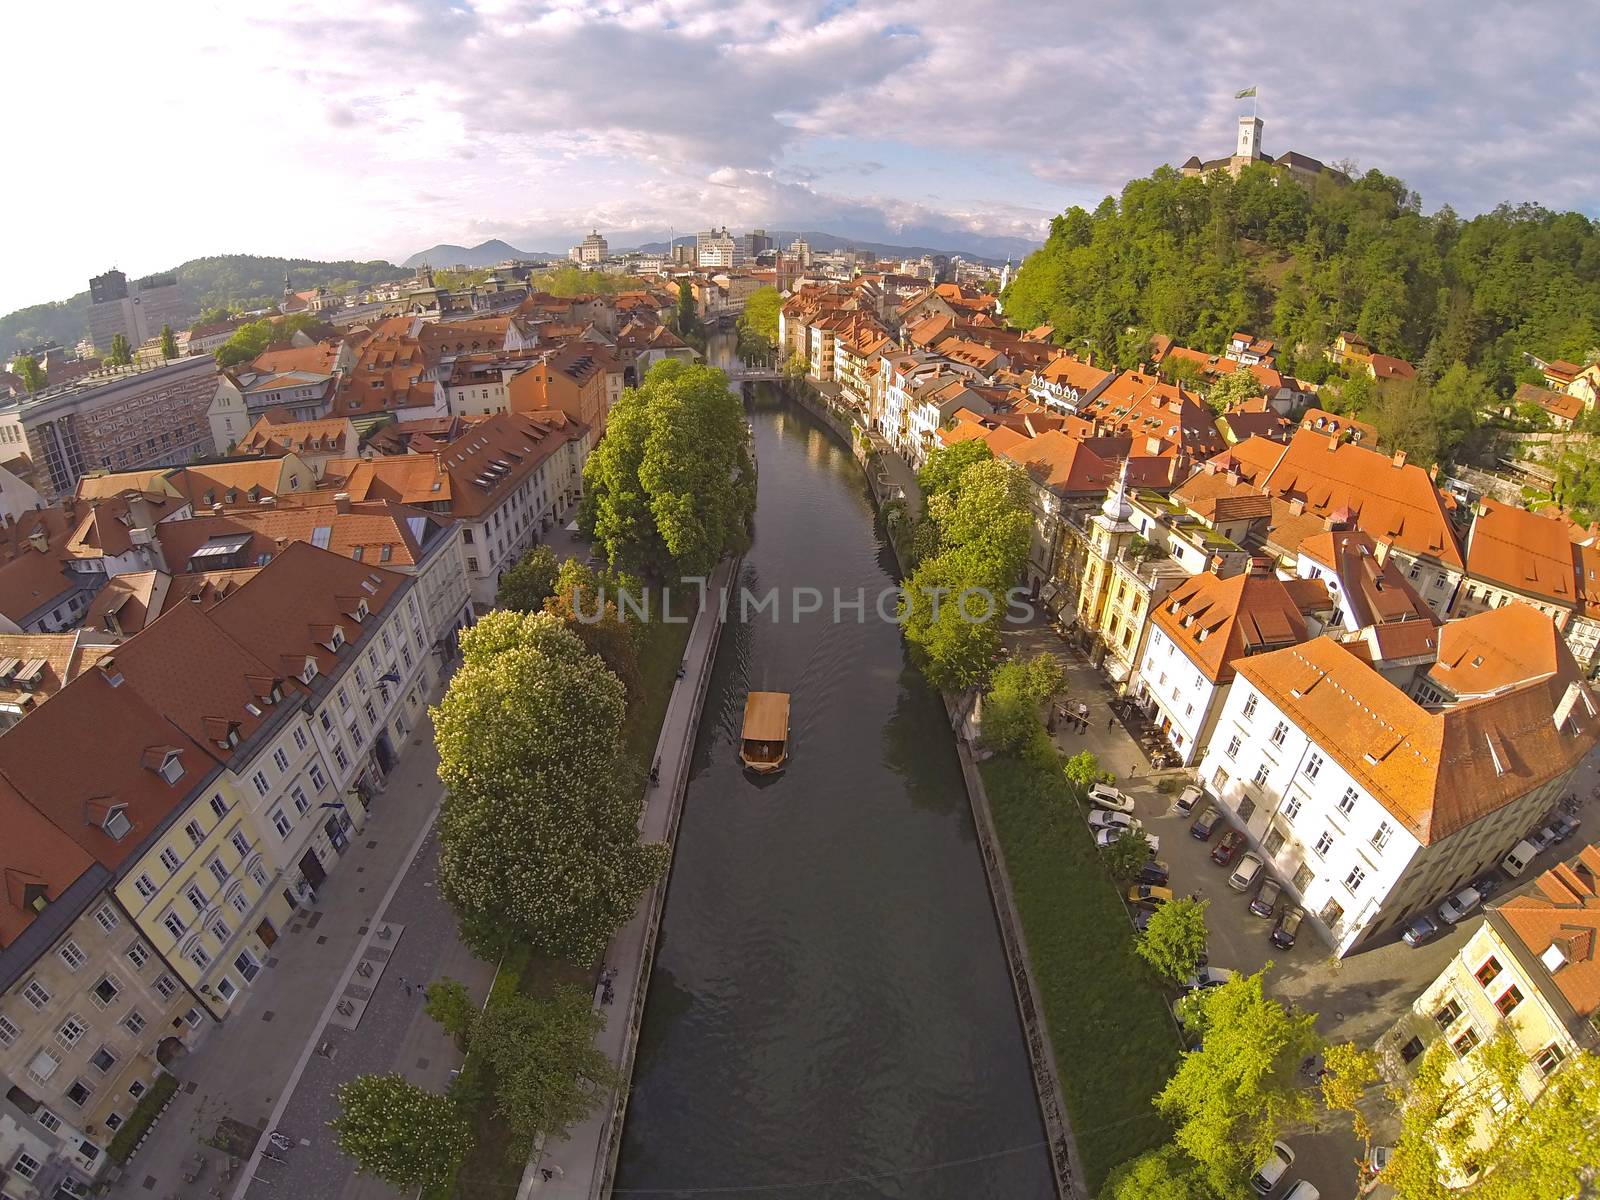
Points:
(1141, 918)
(1245, 873)
(1541, 840)
(1206, 824)
(1270, 1173)
(1377, 1163)
(1149, 894)
(1487, 884)
(1302, 1190)
(1155, 871)
(1421, 930)
(1265, 902)
(1518, 857)
(1288, 927)
(1186, 802)
(1564, 826)
(1103, 795)
(1460, 906)
(1112, 833)
(1222, 853)
(1101, 819)
(1205, 977)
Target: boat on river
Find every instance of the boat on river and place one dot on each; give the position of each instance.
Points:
(764, 742)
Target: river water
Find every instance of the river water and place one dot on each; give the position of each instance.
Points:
(830, 1013)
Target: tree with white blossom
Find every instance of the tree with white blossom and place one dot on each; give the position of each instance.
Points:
(538, 832)
(402, 1133)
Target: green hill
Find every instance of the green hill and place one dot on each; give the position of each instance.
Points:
(240, 282)
(1199, 258)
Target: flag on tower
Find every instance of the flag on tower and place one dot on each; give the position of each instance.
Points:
(1247, 94)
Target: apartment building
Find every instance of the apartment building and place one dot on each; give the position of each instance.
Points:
(1376, 788)
(1530, 968)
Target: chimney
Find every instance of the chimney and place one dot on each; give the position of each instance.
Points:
(1217, 565)
(268, 502)
(1333, 441)
(1297, 506)
(341, 502)
(1380, 551)
(1399, 458)
(216, 509)
(1433, 472)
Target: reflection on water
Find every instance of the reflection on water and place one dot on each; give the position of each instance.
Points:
(830, 1001)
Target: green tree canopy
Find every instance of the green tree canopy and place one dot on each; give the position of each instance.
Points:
(169, 343)
(447, 1002)
(120, 354)
(1174, 941)
(670, 490)
(406, 1135)
(530, 581)
(28, 370)
(247, 341)
(758, 323)
(944, 467)
(1017, 689)
(1166, 1173)
(548, 1072)
(586, 602)
(1232, 1097)
(538, 838)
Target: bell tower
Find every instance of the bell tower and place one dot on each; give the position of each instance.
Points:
(1249, 138)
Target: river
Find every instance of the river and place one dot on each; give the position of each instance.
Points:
(830, 1013)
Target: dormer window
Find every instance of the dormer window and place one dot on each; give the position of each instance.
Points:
(171, 768)
(336, 639)
(362, 610)
(310, 672)
(115, 823)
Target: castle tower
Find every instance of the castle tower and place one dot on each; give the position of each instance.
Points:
(1249, 138)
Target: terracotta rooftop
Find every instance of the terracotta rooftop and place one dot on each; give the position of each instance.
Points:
(1523, 551)
(1218, 621)
(1558, 922)
(1377, 592)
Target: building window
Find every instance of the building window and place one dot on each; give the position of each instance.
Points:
(170, 859)
(165, 986)
(1381, 837)
(280, 760)
(195, 832)
(9, 1033)
(247, 965)
(1324, 844)
(198, 956)
(197, 899)
(145, 886)
(218, 871)
(1465, 1041)
(1260, 777)
(260, 780)
(240, 843)
(1355, 879)
(1233, 746)
(259, 875)
(240, 902)
(138, 955)
(105, 916)
(226, 988)
(301, 804)
(71, 1030)
(1279, 732)
(472, 564)
(48, 1119)
(1313, 766)
(35, 994)
(72, 954)
(1489, 972)
(1291, 809)
(1347, 802)
(318, 779)
(300, 739)
(26, 1165)
(103, 1059)
(219, 805)
(1508, 1000)
(1548, 1059)
(281, 823)
(79, 1092)
(106, 990)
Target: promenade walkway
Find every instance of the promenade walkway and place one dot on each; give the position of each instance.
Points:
(581, 1165)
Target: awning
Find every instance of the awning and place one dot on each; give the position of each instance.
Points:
(1117, 671)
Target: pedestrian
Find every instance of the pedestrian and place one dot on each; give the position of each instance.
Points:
(1111, 720)
(405, 983)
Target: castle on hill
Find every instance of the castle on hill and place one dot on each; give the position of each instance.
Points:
(1249, 151)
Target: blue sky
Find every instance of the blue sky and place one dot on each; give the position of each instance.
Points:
(374, 128)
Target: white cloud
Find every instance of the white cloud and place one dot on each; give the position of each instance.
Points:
(376, 127)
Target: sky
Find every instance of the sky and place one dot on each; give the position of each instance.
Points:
(376, 128)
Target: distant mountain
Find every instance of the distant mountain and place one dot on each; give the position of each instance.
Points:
(484, 254)
(241, 282)
(975, 247)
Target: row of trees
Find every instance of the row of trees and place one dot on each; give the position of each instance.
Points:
(758, 323)
(969, 547)
(250, 340)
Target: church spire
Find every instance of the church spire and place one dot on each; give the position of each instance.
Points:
(1116, 507)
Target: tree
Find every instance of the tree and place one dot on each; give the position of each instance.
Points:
(528, 583)
(1347, 1072)
(579, 600)
(670, 489)
(1083, 770)
(1233, 389)
(1232, 1097)
(758, 323)
(212, 316)
(1174, 941)
(548, 1072)
(27, 369)
(686, 319)
(120, 354)
(403, 1134)
(1166, 1173)
(1011, 705)
(945, 465)
(448, 1003)
(538, 831)
(169, 343)
(1127, 855)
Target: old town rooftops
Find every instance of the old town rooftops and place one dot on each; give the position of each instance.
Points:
(1216, 621)
(1435, 769)
(1558, 923)
(1526, 552)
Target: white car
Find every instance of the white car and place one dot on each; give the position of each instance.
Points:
(1187, 801)
(1206, 977)
(1100, 819)
(1270, 1174)
(1112, 833)
(1105, 796)
(1460, 906)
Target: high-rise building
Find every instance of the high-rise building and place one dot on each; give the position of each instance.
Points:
(716, 249)
(592, 250)
(756, 243)
(801, 250)
(137, 310)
